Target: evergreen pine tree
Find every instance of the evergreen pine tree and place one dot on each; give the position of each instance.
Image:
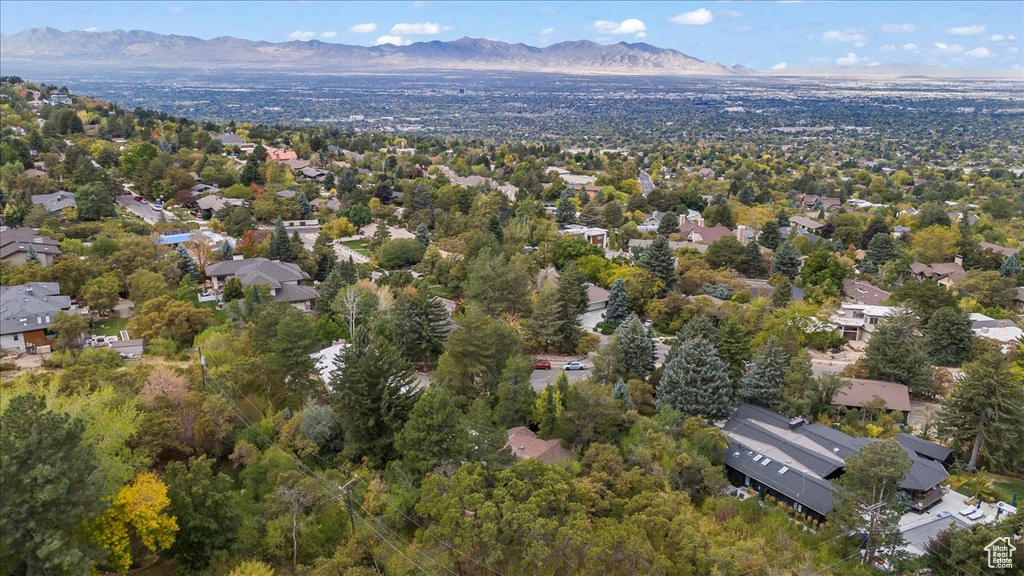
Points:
(546, 321)
(30, 255)
(1010, 267)
(733, 347)
(381, 235)
(782, 218)
(251, 173)
(227, 251)
(347, 269)
(372, 391)
(769, 237)
(948, 337)
(591, 214)
(787, 261)
(896, 353)
(566, 211)
(187, 264)
(621, 393)
(761, 384)
(572, 303)
(696, 382)
(494, 227)
(435, 432)
(783, 293)
(867, 266)
(618, 304)
(329, 288)
(549, 414)
(280, 246)
(637, 348)
(659, 260)
(881, 249)
(420, 324)
(423, 234)
(754, 266)
(698, 326)
(669, 224)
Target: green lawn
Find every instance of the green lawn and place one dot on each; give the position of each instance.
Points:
(1009, 486)
(358, 246)
(111, 327)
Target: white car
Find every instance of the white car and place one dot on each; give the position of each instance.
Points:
(574, 366)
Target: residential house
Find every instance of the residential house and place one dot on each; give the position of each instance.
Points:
(900, 232)
(948, 274)
(56, 201)
(314, 174)
(597, 297)
(394, 232)
(860, 392)
(864, 292)
(210, 205)
(324, 359)
(1018, 298)
(703, 234)
(705, 172)
(19, 243)
(596, 236)
(795, 462)
(815, 202)
(279, 155)
(526, 444)
(805, 224)
(858, 321)
(296, 164)
(745, 234)
(229, 139)
(284, 279)
(288, 193)
(26, 312)
(672, 244)
(1003, 331)
(997, 249)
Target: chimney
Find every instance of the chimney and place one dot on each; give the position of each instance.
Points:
(959, 259)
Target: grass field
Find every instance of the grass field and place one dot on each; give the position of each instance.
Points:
(359, 246)
(1009, 486)
(111, 327)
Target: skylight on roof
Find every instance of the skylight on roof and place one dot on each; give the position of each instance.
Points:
(757, 457)
(766, 461)
(783, 470)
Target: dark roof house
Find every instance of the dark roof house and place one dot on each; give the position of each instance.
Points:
(864, 292)
(26, 311)
(282, 278)
(795, 462)
(18, 243)
(55, 202)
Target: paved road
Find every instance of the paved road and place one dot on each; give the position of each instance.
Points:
(646, 183)
(144, 211)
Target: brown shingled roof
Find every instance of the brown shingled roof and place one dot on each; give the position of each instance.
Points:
(525, 444)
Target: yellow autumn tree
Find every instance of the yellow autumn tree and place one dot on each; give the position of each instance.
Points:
(136, 513)
(252, 568)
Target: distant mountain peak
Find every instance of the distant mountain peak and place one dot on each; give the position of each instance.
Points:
(118, 49)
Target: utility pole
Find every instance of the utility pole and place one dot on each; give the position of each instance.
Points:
(202, 365)
(872, 510)
(348, 501)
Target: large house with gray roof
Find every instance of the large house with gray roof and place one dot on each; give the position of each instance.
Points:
(26, 312)
(18, 244)
(55, 202)
(795, 462)
(284, 279)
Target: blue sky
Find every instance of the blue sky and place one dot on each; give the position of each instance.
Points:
(759, 35)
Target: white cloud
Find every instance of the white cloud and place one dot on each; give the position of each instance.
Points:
(175, 9)
(780, 66)
(853, 36)
(302, 35)
(329, 34)
(850, 59)
(547, 31)
(1013, 49)
(91, 29)
(943, 48)
(966, 30)
(1002, 37)
(730, 13)
(419, 28)
(911, 47)
(364, 28)
(391, 39)
(979, 52)
(887, 48)
(627, 26)
(899, 28)
(698, 17)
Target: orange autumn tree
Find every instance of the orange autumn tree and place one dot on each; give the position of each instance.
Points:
(135, 515)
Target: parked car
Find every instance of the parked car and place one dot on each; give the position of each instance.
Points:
(574, 366)
(543, 364)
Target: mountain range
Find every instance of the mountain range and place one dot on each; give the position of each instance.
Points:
(137, 49)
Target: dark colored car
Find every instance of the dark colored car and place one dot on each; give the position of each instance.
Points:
(543, 364)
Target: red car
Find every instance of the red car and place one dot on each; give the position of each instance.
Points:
(543, 364)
